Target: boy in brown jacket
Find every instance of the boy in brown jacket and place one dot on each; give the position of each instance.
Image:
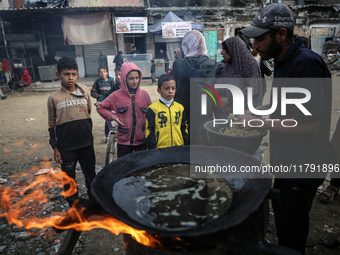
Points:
(70, 125)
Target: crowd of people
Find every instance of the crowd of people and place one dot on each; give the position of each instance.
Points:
(170, 121)
(10, 76)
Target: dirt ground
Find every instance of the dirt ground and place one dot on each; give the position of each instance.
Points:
(24, 144)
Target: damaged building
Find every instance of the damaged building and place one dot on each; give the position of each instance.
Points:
(50, 29)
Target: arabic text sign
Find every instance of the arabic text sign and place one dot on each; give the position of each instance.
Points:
(175, 29)
(131, 25)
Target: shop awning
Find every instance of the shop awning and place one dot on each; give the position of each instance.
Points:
(87, 29)
(170, 17)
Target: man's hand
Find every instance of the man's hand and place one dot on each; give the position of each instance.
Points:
(57, 156)
(225, 108)
(225, 101)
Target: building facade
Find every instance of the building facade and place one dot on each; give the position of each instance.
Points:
(49, 28)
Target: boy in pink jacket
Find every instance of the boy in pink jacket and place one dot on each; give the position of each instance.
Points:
(127, 106)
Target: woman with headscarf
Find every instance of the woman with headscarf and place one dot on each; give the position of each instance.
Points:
(241, 70)
(194, 64)
(178, 53)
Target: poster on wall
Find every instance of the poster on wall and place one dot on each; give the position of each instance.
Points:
(131, 25)
(175, 29)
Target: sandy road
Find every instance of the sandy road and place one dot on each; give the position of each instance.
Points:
(24, 143)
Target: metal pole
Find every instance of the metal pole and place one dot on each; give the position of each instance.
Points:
(113, 24)
(4, 35)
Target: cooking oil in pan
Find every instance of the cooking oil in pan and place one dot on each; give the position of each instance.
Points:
(166, 197)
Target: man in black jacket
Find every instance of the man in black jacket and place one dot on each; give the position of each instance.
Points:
(102, 60)
(306, 142)
(153, 71)
(118, 60)
(134, 50)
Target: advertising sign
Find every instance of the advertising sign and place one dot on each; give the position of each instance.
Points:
(131, 24)
(175, 29)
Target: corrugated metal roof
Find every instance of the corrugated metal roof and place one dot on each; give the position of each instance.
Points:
(125, 10)
(75, 7)
(59, 11)
(101, 8)
(313, 5)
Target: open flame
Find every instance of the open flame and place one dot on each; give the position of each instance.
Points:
(24, 202)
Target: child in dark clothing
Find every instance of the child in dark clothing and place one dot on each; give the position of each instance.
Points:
(70, 125)
(153, 71)
(102, 85)
(14, 82)
(115, 87)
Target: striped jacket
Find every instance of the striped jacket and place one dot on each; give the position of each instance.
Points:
(165, 126)
(69, 119)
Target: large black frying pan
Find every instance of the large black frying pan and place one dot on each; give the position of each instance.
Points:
(248, 194)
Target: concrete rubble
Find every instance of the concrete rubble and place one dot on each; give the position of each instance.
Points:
(333, 63)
